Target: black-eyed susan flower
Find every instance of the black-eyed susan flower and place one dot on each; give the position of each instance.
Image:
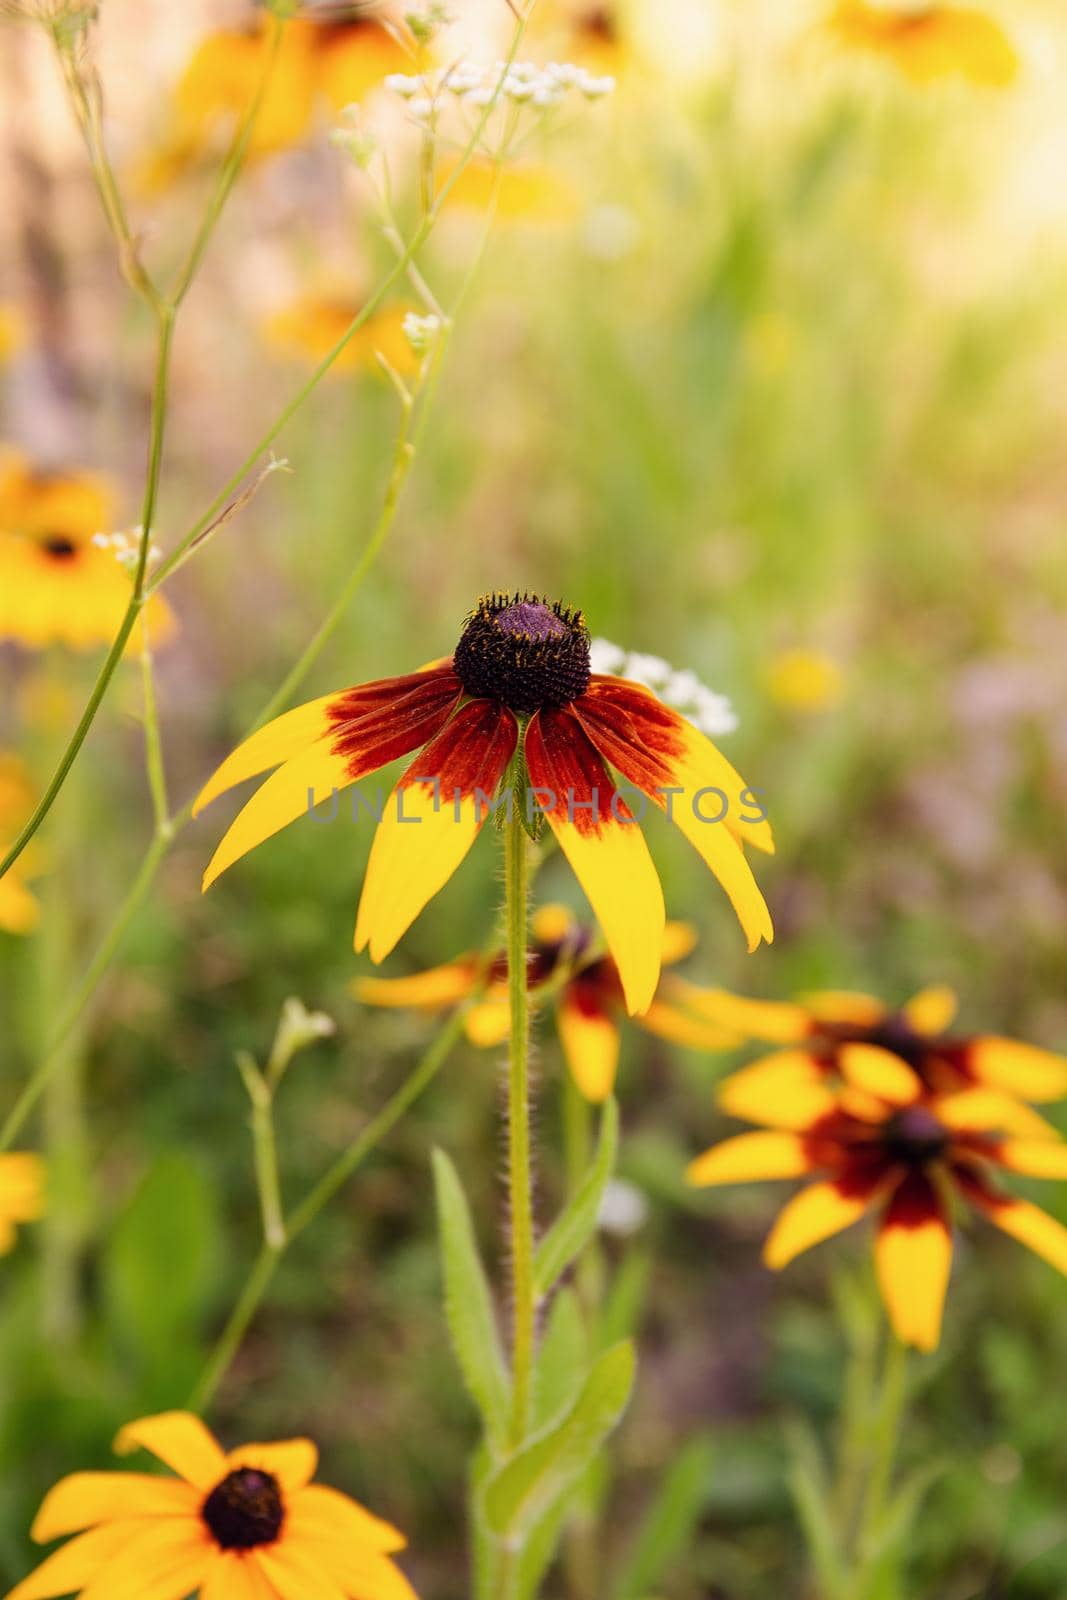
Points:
(565, 962)
(519, 680)
(878, 1141)
(19, 910)
(21, 1193)
(860, 1040)
(57, 586)
(249, 1525)
(928, 41)
(312, 325)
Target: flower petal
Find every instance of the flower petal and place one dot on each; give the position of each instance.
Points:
(22, 1180)
(590, 1041)
(234, 1575)
(487, 1023)
(87, 1498)
(159, 1561)
(604, 846)
(674, 765)
(1018, 1068)
(357, 1570)
(76, 1564)
(181, 1441)
(777, 1021)
(932, 1010)
(1034, 1158)
(879, 1072)
(989, 1111)
(913, 1257)
(432, 990)
(679, 1026)
(785, 1090)
(553, 924)
(324, 1513)
(434, 815)
(293, 1572)
(348, 750)
(292, 1462)
(751, 1158)
(679, 940)
(1028, 1223)
(815, 1214)
(847, 1007)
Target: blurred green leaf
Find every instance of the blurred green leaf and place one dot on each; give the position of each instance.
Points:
(576, 1224)
(468, 1302)
(671, 1519)
(563, 1358)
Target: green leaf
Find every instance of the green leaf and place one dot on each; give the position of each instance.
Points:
(468, 1303)
(576, 1224)
(810, 1492)
(526, 1488)
(670, 1522)
(563, 1359)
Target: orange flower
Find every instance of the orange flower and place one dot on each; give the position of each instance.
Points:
(586, 988)
(312, 325)
(878, 1140)
(929, 41)
(250, 1525)
(521, 667)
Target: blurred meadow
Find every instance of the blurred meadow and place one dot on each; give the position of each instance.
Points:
(765, 372)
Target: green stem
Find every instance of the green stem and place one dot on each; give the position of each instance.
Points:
(336, 1176)
(886, 1436)
(265, 1147)
(520, 1177)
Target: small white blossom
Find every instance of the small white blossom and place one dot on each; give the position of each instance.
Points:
(596, 88)
(652, 671)
(681, 689)
(623, 1208)
(605, 658)
(399, 83)
(420, 332)
(125, 547)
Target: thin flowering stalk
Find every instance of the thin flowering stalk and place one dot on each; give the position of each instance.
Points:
(520, 1175)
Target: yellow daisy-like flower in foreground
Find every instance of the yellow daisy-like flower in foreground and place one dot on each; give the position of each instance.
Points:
(520, 670)
(249, 1525)
(19, 910)
(876, 1139)
(805, 681)
(312, 325)
(21, 1193)
(830, 1031)
(56, 586)
(928, 42)
(329, 63)
(586, 989)
(12, 332)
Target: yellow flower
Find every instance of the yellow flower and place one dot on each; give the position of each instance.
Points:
(12, 332)
(21, 1192)
(312, 325)
(524, 193)
(805, 680)
(590, 33)
(329, 64)
(931, 41)
(56, 586)
(250, 1525)
(520, 663)
(19, 911)
(586, 989)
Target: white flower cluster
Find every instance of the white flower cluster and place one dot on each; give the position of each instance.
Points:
(421, 332)
(522, 83)
(126, 546)
(711, 712)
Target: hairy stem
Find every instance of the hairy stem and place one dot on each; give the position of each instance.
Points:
(520, 1176)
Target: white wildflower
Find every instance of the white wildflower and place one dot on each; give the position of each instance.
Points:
(681, 689)
(606, 658)
(623, 1208)
(421, 332)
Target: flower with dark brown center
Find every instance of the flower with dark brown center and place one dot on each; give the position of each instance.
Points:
(523, 652)
(244, 1510)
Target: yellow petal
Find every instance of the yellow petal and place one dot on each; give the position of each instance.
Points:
(181, 1441)
(553, 924)
(76, 1564)
(913, 1257)
(354, 1568)
(293, 1573)
(932, 1011)
(272, 744)
(159, 1561)
(292, 1462)
(608, 856)
(87, 1498)
(751, 1158)
(590, 1043)
(1030, 1225)
(487, 1023)
(989, 1111)
(323, 1513)
(22, 1181)
(1020, 1069)
(789, 1084)
(674, 1024)
(232, 1576)
(679, 940)
(813, 1215)
(432, 990)
(1034, 1158)
(845, 1006)
(777, 1021)
(879, 1072)
(429, 826)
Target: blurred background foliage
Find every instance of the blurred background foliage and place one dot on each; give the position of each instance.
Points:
(788, 380)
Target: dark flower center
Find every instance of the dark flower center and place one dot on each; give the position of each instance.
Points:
(600, 23)
(244, 1510)
(524, 652)
(915, 1136)
(59, 547)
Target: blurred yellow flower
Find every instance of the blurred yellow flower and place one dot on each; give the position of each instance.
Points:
(805, 680)
(12, 331)
(21, 1193)
(524, 193)
(328, 63)
(19, 911)
(312, 325)
(56, 586)
(930, 41)
(250, 1525)
(585, 32)
(585, 986)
